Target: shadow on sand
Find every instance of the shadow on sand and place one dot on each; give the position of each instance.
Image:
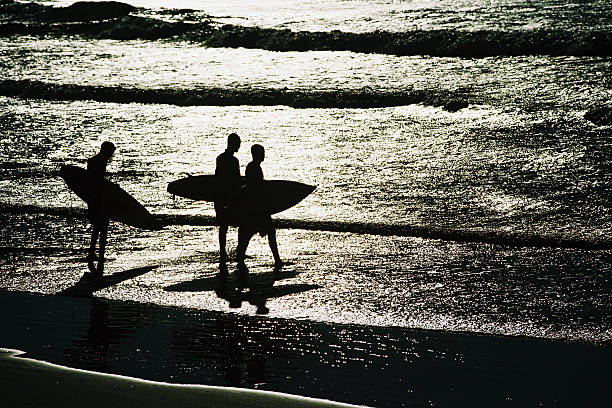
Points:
(241, 286)
(86, 287)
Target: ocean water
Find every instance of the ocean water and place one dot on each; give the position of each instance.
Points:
(462, 154)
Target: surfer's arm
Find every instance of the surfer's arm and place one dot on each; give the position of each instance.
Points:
(96, 166)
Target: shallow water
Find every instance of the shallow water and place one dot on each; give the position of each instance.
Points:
(331, 277)
(478, 169)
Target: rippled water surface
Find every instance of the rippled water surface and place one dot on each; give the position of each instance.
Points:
(480, 168)
(456, 248)
(368, 15)
(532, 81)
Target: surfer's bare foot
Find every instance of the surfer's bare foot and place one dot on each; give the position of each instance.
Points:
(235, 302)
(262, 309)
(100, 270)
(91, 258)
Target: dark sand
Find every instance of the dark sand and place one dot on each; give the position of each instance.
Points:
(363, 365)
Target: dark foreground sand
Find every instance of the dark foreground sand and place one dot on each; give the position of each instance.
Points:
(30, 383)
(235, 358)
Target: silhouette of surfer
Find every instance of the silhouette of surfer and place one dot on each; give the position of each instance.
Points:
(96, 166)
(253, 219)
(227, 174)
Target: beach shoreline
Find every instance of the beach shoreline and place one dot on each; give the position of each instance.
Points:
(455, 252)
(373, 366)
(64, 386)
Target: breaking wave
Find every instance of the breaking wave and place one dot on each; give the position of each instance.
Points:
(113, 20)
(211, 96)
(441, 43)
(419, 231)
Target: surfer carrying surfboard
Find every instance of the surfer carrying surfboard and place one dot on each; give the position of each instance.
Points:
(253, 218)
(250, 207)
(96, 167)
(228, 182)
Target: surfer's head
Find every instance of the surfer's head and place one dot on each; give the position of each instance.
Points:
(233, 142)
(258, 153)
(107, 149)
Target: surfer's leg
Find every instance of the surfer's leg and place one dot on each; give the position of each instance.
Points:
(221, 212)
(94, 237)
(222, 243)
(244, 236)
(274, 248)
(103, 237)
(91, 256)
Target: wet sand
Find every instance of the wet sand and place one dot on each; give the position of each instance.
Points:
(338, 278)
(31, 383)
(363, 365)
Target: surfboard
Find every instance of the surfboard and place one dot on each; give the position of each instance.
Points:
(112, 199)
(199, 188)
(272, 196)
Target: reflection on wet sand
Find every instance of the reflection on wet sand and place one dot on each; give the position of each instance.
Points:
(86, 286)
(240, 286)
(375, 366)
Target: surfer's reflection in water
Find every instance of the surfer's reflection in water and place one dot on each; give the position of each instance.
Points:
(96, 166)
(227, 174)
(252, 219)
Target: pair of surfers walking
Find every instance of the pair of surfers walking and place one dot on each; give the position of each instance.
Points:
(236, 205)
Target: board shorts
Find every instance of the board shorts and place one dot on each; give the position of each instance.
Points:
(257, 223)
(226, 215)
(97, 218)
(95, 213)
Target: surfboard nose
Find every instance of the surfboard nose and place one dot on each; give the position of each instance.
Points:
(64, 171)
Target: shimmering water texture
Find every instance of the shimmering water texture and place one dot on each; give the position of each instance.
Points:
(482, 174)
(432, 28)
(331, 277)
(456, 250)
(372, 366)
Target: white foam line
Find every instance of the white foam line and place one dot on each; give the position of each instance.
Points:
(265, 398)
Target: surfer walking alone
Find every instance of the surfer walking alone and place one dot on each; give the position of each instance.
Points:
(227, 172)
(253, 219)
(96, 167)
